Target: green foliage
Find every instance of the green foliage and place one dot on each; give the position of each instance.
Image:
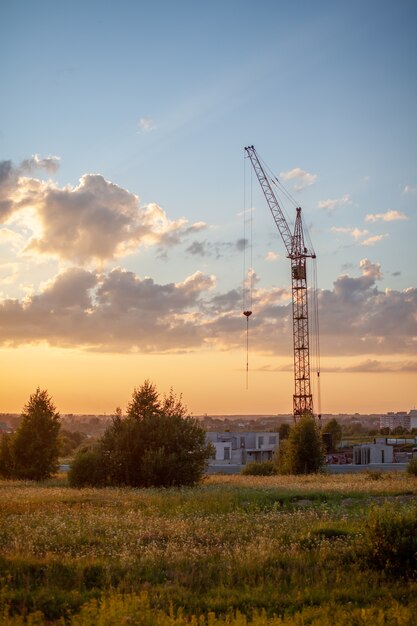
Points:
(302, 452)
(6, 457)
(412, 467)
(284, 431)
(70, 441)
(35, 447)
(87, 469)
(390, 540)
(334, 428)
(156, 444)
(260, 468)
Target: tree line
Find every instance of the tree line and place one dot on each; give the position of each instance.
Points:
(156, 443)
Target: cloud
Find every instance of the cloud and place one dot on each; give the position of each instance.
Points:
(388, 216)
(409, 189)
(50, 164)
(359, 235)
(121, 312)
(93, 221)
(371, 241)
(271, 256)
(113, 312)
(356, 233)
(357, 318)
(373, 365)
(301, 177)
(146, 124)
(218, 249)
(332, 204)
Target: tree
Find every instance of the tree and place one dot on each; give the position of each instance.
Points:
(6, 458)
(35, 445)
(284, 431)
(155, 444)
(334, 428)
(302, 452)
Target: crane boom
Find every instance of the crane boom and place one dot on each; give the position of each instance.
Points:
(297, 253)
(273, 203)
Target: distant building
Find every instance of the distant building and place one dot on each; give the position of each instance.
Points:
(239, 448)
(368, 453)
(393, 420)
(413, 418)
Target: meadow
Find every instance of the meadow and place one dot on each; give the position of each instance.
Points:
(235, 550)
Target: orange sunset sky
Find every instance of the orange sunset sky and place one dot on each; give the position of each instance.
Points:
(129, 217)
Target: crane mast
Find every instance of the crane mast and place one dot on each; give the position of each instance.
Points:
(297, 253)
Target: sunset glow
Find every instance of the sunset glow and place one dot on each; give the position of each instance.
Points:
(122, 224)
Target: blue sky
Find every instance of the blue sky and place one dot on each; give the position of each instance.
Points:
(160, 99)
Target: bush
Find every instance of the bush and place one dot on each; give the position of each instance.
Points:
(390, 540)
(412, 467)
(260, 468)
(87, 469)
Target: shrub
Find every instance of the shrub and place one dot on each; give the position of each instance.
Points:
(412, 467)
(87, 469)
(390, 539)
(260, 468)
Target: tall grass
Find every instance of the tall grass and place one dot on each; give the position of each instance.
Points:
(237, 546)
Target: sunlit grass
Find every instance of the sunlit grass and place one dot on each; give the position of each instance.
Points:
(234, 543)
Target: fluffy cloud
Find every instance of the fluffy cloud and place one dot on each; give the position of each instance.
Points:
(93, 221)
(388, 216)
(50, 164)
(335, 203)
(356, 233)
(359, 235)
(119, 311)
(301, 177)
(111, 312)
(409, 189)
(371, 241)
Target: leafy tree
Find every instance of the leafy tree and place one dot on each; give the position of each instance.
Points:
(284, 431)
(35, 444)
(334, 428)
(145, 402)
(302, 452)
(70, 441)
(6, 458)
(155, 444)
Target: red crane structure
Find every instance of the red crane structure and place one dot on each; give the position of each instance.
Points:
(298, 253)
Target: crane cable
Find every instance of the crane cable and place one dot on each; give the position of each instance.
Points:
(316, 331)
(247, 274)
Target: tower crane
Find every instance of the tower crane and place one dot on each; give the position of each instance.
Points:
(298, 253)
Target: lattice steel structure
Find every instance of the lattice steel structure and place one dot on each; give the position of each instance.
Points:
(297, 253)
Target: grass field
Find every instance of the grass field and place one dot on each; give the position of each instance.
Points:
(235, 550)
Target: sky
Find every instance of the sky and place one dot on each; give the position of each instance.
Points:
(130, 219)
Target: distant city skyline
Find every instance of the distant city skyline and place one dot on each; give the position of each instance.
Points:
(122, 201)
